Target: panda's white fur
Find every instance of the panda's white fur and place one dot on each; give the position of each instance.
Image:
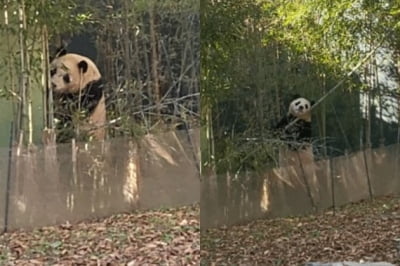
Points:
(296, 159)
(300, 108)
(295, 127)
(68, 65)
(78, 88)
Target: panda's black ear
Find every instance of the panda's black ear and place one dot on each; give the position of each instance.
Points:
(312, 102)
(61, 51)
(83, 65)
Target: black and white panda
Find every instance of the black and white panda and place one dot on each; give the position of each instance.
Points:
(296, 159)
(79, 102)
(296, 134)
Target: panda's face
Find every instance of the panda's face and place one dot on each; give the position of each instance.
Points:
(300, 108)
(71, 72)
(61, 78)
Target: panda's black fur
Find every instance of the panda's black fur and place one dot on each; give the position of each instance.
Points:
(89, 99)
(297, 135)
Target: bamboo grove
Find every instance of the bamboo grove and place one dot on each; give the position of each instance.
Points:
(148, 52)
(255, 53)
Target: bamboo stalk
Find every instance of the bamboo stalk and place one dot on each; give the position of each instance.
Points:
(48, 112)
(127, 58)
(138, 97)
(28, 91)
(154, 59)
(74, 161)
(10, 61)
(22, 110)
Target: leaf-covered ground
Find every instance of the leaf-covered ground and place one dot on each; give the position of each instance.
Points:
(162, 237)
(368, 231)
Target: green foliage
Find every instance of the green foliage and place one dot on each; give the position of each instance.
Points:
(256, 53)
(155, 45)
(127, 47)
(58, 16)
(223, 26)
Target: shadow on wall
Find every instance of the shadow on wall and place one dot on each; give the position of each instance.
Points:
(300, 189)
(51, 185)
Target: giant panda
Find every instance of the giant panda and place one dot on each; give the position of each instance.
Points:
(296, 159)
(296, 134)
(79, 101)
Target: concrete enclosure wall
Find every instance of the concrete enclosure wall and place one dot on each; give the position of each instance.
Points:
(300, 188)
(51, 185)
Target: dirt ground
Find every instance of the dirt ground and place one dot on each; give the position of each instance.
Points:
(365, 231)
(162, 237)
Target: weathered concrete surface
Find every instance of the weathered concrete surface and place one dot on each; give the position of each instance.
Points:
(299, 189)
(50, 186)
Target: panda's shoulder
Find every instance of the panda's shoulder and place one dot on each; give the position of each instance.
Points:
(76, 56)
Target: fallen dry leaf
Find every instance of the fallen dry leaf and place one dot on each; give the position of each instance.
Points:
(148, 238)
(363, 231)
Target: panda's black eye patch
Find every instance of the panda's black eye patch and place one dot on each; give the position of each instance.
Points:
(53, 72)
(306, 106)
(66, 78)
(297, 103)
